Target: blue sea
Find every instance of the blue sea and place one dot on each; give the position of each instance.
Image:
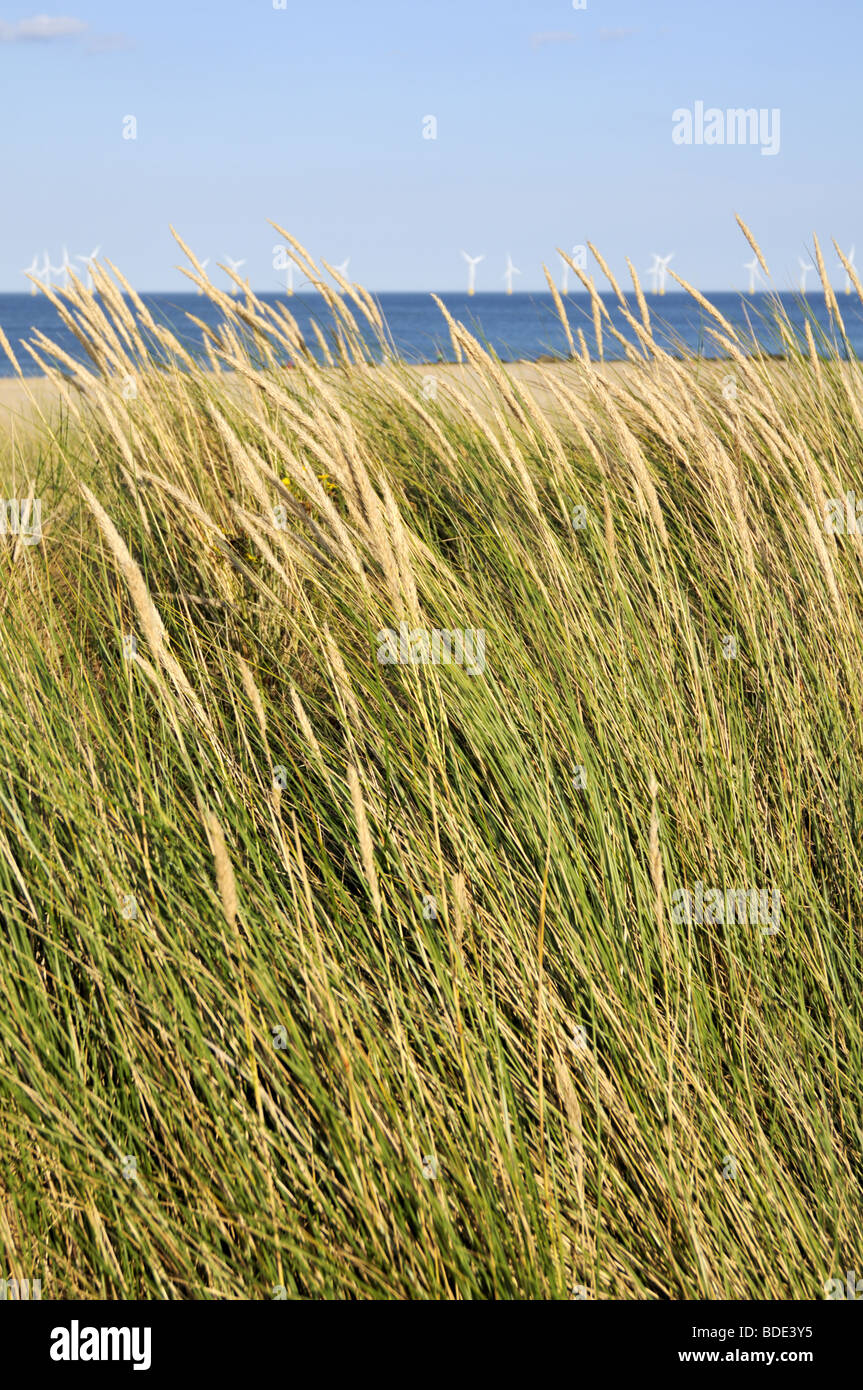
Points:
(519, 326)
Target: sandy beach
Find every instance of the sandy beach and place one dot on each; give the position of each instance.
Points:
(22, 402)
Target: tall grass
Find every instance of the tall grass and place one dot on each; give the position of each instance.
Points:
(338, 978)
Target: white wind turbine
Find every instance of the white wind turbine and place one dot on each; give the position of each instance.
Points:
(67, 269)
(52, 269)
(473, 262)
(204, 265)
(33, 270)
(88, 262)
(509, 272)
(234, 265)
(289, 281)
(850, 259)
(805, 267)
(754, 272)
(659, 270)
(339, 270)
(564, 279)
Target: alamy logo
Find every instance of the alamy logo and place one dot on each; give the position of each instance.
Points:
(851, 1288)
(757, 906)
(737, 126)
(24, 519)
(18, 1289)
(76, 1343)
(843, 516)
(440, 647)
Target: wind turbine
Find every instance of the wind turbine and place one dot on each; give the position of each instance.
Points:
(509, 272)
(754, 272)
(204, 265)
(564, 279)
(33, 270)
(473, 262)
(235, 265)
(289, 282)
(850, 260)
(340, 270)
(67, 269)
(658, 271)
(52, 269)
(88, 261)
(805, 267)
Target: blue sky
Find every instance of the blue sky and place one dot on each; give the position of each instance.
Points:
(554, 125)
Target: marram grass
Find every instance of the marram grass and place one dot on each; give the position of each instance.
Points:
(324, 976)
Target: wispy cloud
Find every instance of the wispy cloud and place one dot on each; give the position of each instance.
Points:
(567, 36)
(41, 28)
(552, 36)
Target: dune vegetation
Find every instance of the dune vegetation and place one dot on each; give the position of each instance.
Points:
(430, 814)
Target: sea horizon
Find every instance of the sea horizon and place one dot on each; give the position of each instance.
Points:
(523, 326)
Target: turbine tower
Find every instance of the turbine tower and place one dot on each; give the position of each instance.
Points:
(850, 259)
(88, 262)
(659, 270)
(32, 270)
(234, 265)
(805, 267)
(473, 262)
(564, 279)
(754, 273)
(66, 268)
(509, 272)
(53, 269)
(204, 265)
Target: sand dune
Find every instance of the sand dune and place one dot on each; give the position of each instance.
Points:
(22, 402)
